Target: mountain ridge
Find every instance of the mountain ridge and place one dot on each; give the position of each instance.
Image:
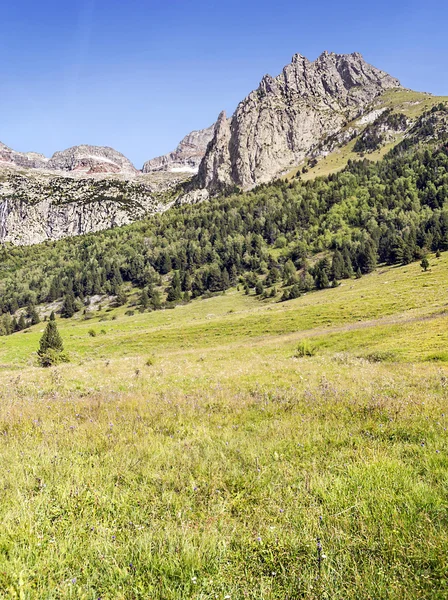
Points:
(276, 124)
(187, 155)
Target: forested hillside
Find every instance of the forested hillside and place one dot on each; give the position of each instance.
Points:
(282, 239)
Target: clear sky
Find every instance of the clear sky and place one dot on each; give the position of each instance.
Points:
(138, 75)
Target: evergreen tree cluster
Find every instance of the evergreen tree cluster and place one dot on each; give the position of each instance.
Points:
(294, 235)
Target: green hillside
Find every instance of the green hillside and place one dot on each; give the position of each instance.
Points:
(281, 240)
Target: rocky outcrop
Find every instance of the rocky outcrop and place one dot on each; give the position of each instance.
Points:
(35, 208)
(186, 157)
(275, 127)
(27, 160)
(91, 159)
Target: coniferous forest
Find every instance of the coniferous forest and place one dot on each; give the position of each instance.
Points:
(278, 240)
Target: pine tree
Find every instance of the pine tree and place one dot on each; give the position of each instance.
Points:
(289, 273)
(294, 292)
(337, 266)
(50, 340)
(367, 256)
(225, 279)
(174, 290)
(32, 315)
(121, 297)
(69, 306)
(21, 323)
(165, 263)
(348, 266)
(186, 281)
(144, 299)
(156, 302)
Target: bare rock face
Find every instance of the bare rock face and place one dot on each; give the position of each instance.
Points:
(90, 160)
(28, 160)
(36, 207)
(186, 157)
(275, 127)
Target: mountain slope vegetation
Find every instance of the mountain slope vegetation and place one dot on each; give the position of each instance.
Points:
(281, 239)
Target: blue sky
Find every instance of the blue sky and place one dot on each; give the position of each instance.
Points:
(138, 75)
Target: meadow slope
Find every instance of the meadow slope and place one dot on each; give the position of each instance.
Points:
(195, 453)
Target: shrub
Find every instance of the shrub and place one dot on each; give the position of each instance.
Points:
(52, 357)
(304, 348)
(92, 333)
(379, 356)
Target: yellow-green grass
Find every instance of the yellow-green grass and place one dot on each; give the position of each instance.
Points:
(411, 103)
(190, 453)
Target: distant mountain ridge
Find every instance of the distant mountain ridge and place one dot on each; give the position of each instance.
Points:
(27, 160)
(84, 158)
(187, 155)
(103, 159)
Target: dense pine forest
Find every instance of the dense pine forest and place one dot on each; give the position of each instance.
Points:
(278, 240)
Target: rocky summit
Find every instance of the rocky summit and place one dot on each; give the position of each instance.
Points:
(277, 124)
(186, 157)
(83, 159)
(91, 159)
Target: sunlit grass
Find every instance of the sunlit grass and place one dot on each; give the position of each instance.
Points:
(210, 470)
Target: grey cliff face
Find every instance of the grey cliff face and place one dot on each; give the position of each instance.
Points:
(91, 159)
(187, 155)
(276, 125)
(35, 208)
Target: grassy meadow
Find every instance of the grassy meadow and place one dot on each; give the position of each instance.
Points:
(234, 448)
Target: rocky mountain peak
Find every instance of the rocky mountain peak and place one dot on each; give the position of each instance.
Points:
(277, 124)
(186, 157)
(30, 160)
(91, 159)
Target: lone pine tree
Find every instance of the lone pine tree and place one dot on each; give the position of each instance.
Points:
(51, 339)
(51, 348)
